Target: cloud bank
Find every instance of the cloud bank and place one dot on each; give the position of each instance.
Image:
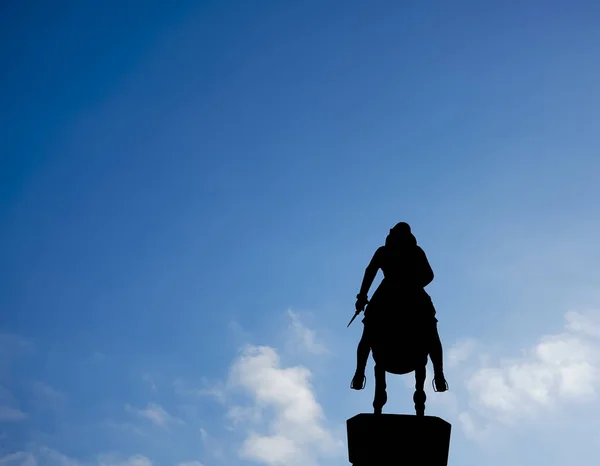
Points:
(286, 424)
(559, 369)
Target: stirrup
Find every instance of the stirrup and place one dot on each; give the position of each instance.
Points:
(435, 387)
(354, 386)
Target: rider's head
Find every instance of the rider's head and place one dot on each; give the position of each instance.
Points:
(400, 235)
(401, 228)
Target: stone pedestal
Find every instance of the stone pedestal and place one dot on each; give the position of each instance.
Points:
(398, 439)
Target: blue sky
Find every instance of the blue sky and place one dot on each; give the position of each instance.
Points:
(189, 194)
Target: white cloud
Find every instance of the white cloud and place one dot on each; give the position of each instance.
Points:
(39, 456)
(5, 395)
(48, 456)
(203, 435)
(44, 456)
(12, 346)
(149, 379)
(303, 336)
(273, 449)
(212, 444)
(47, 395)
(15, 343)
(472, 429)
(460, 352)
(559, 369)
(215, 390)
(241, 414)
(296, 434)
(18, 459)
(8, 414)
(155, 414)
(135, 460)
(587, 323)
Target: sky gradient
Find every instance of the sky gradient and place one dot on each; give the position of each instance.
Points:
(190, 192)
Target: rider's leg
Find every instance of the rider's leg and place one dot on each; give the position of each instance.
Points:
(437, 359)
(362, 356)
(436, 351)
(435, 348)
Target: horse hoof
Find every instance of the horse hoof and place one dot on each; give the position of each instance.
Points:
(419, 398)
(379, 402)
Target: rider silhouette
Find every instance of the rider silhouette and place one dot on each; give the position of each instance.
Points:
(406, 273)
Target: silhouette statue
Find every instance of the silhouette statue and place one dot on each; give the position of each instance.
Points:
(400, 327)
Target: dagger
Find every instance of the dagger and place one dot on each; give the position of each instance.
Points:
(354, 317)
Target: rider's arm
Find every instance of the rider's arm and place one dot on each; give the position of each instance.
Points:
(425, 270)
(371, 272)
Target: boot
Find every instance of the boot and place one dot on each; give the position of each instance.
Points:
(359, 380)
(439, 381)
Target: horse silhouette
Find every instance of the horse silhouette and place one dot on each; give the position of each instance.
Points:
(400, 345)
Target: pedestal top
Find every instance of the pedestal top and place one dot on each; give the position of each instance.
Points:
(375, 439)
(396, 419)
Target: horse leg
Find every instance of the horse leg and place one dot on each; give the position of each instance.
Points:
(419, 397)
(380, 389)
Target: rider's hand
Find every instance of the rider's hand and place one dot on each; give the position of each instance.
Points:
(361, 302)
(358, 306)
